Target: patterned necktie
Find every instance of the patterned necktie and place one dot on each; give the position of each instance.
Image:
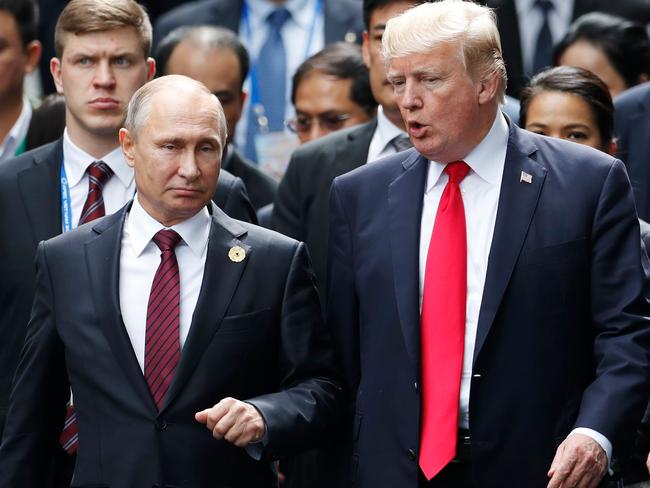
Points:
(443, 326)
(543, 57)
(98, 174)
(162, 347)
(401, 143)
(271, 77)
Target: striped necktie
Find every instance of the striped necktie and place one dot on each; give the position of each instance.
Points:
(98, 174)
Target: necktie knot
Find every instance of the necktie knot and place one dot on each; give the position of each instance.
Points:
(166, 239)
(100, 172)
(457, 171)
(545, 6)
(277, 18)
(401, 143)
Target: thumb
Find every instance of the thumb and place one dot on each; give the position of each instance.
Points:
(201, 416)
(556, 460)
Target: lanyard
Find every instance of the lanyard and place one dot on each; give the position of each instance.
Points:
(255, 95)
(66, 206)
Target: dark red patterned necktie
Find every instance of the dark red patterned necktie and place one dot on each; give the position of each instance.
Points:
(98, 174)
(443, 326)
(162, 347)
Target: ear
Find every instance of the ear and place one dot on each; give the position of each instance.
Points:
(151, 68)
(365, 49)
(487, 89)
(55, 69)
(128, 146)
(33, 52)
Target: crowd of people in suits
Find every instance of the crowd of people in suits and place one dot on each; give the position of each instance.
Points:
(323, 243)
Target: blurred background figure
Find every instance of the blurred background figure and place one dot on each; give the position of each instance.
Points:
(614, 49)
(632, 129)
(48, 122)
(530, 28)
(330, 91)
(20, 52)
(279, 35)
(218, 59)
(574, 104)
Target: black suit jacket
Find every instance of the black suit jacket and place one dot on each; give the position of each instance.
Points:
(30, 211)
(256, 335)
(261, 187)
(342, 18)
(632, 129)
(563, 331)
(508, 23)
(301, 208)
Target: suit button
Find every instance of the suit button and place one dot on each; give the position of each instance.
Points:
(416, 386)
(411, 454)
(477, 375)
(161, 425)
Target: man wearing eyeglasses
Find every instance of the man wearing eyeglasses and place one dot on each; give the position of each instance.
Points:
(331, 91)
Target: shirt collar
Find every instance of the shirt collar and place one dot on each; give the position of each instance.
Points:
(259, 10)
(563, 8)
(77, 161)
(19, 130)
(142, 227)
(386, 130)
(486, 160)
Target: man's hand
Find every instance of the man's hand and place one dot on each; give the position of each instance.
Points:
(647, 463)
(237, 422)
(579, 462)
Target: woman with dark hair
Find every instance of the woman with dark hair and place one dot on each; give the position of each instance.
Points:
(615, 49)
(574, 104)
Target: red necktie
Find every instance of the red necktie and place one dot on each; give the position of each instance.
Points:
(443, 326)
(162, 347)
(98, 174)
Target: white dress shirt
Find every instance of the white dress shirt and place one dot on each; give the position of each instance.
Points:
(139, 260)
(118, 190)
(530, 19)
(17, 133)
(386, 131)
(295, 36)
(480, 191)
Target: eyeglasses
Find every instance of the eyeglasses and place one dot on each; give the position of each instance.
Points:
(302, 123)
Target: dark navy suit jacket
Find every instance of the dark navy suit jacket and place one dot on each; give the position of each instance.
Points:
(563, 332)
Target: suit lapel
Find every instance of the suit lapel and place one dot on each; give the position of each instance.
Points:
(517, 204)
(405, 197)
(220, 279)
(639, 124)
(40, 190)
(354, 153)
(103, 261)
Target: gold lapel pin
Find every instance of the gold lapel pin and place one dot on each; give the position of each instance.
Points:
(525, 177)
(237, 254)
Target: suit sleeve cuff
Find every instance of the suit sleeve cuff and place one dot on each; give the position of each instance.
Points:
(256, 449)
(601, 440)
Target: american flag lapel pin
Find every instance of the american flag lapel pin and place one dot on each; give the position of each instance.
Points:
(525, 177)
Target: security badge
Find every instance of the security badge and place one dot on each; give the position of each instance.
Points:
(237, 254)
(525, 177)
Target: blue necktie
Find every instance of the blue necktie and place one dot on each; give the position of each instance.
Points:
(544, 48)
(271, 74)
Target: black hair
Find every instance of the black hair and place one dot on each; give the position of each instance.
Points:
(341, 60)
(625, 43)
(369, 6)
(576, 81)
(206, 36)
(48, 121)
(25, 13)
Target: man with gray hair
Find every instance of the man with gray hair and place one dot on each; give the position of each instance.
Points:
(486, 289)
(168, 315)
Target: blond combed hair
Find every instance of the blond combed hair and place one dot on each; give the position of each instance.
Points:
(85, 16)
(472, 27)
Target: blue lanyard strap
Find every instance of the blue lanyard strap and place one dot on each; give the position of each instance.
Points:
(66, 206)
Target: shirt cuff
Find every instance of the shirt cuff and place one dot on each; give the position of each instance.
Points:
(601, 440)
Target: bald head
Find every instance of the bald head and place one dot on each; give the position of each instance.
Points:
(170, 89)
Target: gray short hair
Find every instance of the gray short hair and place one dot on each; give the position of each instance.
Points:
(473, 27)
(140, 104)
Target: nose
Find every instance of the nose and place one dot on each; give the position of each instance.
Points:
(104, 76)
(410, 98)
(188, 167)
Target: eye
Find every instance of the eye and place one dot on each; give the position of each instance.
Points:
(84, 61)
(168, 147)
(541, 132)
(577, 136)
(121, 61)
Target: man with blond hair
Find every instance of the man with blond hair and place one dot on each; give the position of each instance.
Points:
(487, 289)
(168, 317)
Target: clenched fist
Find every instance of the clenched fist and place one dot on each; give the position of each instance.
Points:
(235, 421)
